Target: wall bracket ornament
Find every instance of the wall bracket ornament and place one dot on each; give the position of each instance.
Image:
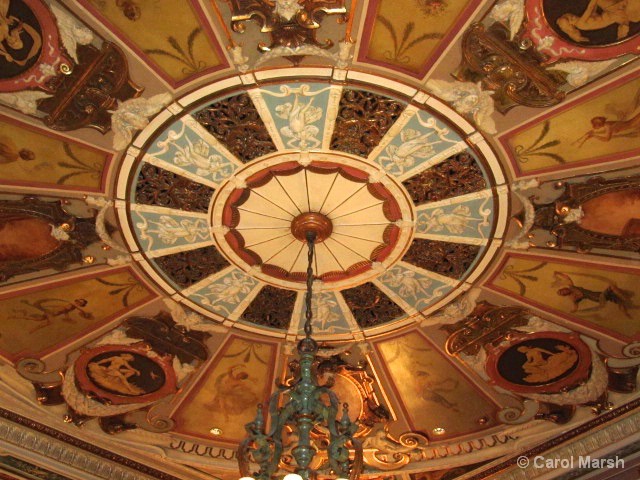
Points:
(574, 218)
(512, 72)
(55, 239)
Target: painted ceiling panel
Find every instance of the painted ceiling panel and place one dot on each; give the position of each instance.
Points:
(178, 45)
(237, 380)
(34, 321)
(41, 158)
(602, 297)
(598, 128)
(405, 34)
(434, 393)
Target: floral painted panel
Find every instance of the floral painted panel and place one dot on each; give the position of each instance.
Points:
(224, 294)
(31, 156)
(422, 140)
(328, 317)
(602, 128)
(469, 217)
(434, 393)
(414, 286)
(158, 230)
(240, 377)
(172, 34)
(603, 297)
(406, 33)
(299, 112)
(190, 149)
(35, 320)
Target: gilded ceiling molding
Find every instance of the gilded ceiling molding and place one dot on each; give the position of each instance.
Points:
(582, 441)
(38, 439)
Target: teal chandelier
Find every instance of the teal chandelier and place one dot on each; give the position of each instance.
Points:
(304, 417)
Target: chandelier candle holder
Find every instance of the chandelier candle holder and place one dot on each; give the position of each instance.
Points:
(307, 406)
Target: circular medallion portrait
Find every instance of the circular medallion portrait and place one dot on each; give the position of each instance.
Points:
(120, 374)
(20, 38)
(548, 362)
(593, 22)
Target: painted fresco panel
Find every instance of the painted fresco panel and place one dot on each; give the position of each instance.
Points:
(31, 156)
(169, 32)
(226, 292)
(469, 218)
(602, 297)
(603, 128)
(34, 321)
(240, 377)
(327, 315)
(157, 231)
(434, 393)
(406, 33)
(299, 112)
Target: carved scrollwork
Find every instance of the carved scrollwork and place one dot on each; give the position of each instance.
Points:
(457, 175)
(160, 187)
(363, 119)
(370, 306)
(236, 123)
(272, 307)
(514, 74)
(446, 258)
(187, 268)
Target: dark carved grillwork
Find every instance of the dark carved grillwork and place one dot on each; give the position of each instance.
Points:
(187, 268)
(449, 259)
(363, 119)
(157, 186)
(272, 307)
(458, 175)
(237, 124)
(370, 306)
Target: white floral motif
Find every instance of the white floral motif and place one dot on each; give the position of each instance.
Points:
(287, 8)
(170, 230)
(468, 99)
(409, 286)
(72, 33)
(414, 145)
(324, 312)
(300, 115)
(509, 12)
(438, 220)
(197, 155)
(231, 290)
(132, 115)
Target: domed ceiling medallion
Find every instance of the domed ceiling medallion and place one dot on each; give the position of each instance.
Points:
(406, 199)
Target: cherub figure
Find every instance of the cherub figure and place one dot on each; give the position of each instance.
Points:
(50, 309)
(11, 30)
(414, 145)
(300, 115)
(611, 294)
(600, 14)
(627, 123)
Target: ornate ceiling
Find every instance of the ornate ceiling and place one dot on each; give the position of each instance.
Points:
(472, 169)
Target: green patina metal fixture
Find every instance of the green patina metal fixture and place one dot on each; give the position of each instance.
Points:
(308, 406)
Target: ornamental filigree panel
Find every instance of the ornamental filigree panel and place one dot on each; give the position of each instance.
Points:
(598, 213)
(236, 123)
(272, 307)
(449, 259)
(27, 241)
(370, 306)
(363, 119)
(458, 175)
(187, 268)
(160, 187)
